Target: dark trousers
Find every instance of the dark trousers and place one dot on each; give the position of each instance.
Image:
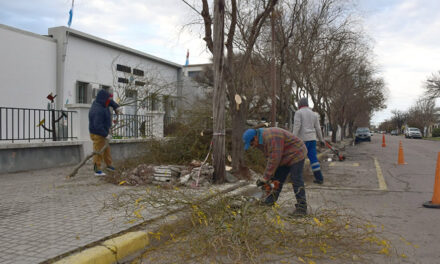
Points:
(296, 174)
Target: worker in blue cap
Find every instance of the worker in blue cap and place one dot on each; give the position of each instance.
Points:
(285, 153)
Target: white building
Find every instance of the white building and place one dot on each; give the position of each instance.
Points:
(74, 65)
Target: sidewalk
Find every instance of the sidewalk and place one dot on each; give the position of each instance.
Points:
(44, 215)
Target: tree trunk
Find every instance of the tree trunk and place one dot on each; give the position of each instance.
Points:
(237, 152)
(218, 153)
(334, 131)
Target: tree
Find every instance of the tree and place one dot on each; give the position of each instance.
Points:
(398, 119)
(422, 114)
(432, 86)
(218, 106)
(249, 18)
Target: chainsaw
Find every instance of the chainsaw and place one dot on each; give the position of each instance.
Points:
(268, 187)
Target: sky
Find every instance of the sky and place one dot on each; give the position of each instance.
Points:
(405, 34)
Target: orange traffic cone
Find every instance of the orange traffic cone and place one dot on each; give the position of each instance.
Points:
(435, 202)
(401, 157)
(383, 141)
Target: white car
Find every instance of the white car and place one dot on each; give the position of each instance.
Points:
(413, 132)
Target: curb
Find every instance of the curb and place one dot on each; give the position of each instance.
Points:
(132, 243)
(112, 250)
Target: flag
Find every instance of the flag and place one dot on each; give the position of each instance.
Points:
(69, 23)
(187, 58)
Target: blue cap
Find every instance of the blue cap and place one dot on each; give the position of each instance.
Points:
(248, 135)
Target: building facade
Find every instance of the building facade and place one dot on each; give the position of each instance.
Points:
(74, 65)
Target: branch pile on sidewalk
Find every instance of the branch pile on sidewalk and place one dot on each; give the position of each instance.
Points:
(231, 229)
(194, 174)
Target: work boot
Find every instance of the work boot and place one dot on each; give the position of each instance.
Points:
(300, 210)
(318, 182)
(319, 179)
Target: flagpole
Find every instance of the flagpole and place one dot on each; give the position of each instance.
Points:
(69, 23)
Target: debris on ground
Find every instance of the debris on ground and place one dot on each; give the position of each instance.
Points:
(193, 175)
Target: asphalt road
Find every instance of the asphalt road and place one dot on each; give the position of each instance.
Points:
(371, 183)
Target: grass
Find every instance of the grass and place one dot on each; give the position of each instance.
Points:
(432, 138)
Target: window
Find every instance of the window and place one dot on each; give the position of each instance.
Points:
(193, 74)
(122, 80)
(154, 102)
(138, 72)
(81, 93)
(138, 83)
(123, 68)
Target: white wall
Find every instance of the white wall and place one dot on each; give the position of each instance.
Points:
(92, 62)
(27, 68)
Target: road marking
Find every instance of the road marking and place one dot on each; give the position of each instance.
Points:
(345, 164)
(380, 178)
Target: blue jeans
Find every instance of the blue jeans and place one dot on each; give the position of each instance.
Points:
(296, 174)
(313, 157)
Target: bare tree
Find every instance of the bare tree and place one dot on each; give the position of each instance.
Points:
(422, 114)
(249, 18)
(398, 119)
(432, 86)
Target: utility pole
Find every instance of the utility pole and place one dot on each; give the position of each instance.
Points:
(273, 71)
(218, 137)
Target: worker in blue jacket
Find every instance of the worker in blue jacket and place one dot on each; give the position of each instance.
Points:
(100, 122)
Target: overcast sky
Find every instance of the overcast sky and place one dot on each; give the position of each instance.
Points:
(405, 34)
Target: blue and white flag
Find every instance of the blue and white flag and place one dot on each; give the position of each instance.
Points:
(70, 15)
(187, 58)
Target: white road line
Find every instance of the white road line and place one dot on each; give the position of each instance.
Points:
(380, 178)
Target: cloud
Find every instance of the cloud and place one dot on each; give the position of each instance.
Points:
(152, 26)
(406, 35)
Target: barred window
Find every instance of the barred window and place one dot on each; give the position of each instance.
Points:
(123, 68)
(138, 72)
(122, 80)
(81, 92)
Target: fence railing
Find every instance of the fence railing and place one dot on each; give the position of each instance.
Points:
(132, 126)
(26, 124)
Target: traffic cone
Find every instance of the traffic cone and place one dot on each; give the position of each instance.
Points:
(383, 141)
(435, 202)
(401, 157)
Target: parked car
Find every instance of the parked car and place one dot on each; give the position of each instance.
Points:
(394, 133)
(413, 132)
(362, 134)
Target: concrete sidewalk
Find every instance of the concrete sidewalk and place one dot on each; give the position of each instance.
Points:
(44, 215)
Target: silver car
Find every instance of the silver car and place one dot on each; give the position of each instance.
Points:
(362, 134)
(413, 132)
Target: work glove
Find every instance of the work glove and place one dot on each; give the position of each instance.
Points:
(109, 137)
(118, 111)
(322, 143)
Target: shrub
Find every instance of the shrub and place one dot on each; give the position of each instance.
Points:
(436, 132)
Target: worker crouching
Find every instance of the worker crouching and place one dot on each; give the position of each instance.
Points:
(285, 154)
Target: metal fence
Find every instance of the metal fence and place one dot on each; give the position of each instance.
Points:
(26, 124)
(132, 126)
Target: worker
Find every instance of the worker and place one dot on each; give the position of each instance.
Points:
(306, 127)
(285, 154)
(99, 127)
